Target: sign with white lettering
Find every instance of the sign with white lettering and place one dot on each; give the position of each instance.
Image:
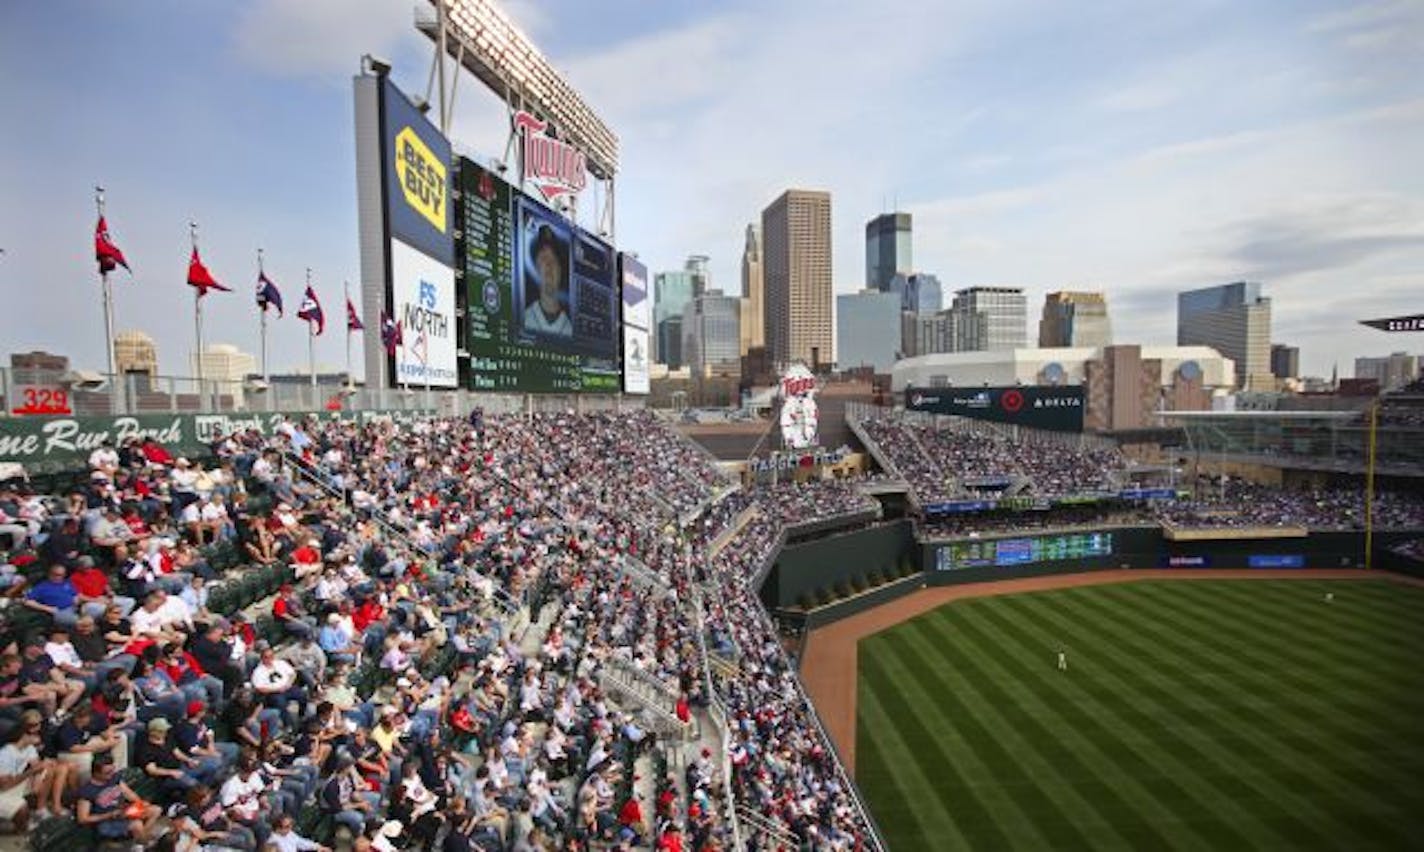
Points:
(1055, 407)
(52, 444)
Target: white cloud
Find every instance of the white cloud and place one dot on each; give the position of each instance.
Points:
(322, 38)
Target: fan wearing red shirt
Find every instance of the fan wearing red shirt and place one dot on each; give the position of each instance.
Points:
(92, 587)
(630, 816)
(307, 559)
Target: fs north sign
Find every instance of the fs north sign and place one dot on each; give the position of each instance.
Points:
(553, 166)
(1054, 407)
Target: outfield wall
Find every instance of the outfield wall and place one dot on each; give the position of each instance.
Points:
(838, 565)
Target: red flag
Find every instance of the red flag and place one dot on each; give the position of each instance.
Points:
(200, 277)
(105, 252)
(353, 322)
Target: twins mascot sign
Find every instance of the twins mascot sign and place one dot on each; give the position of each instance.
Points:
(798, 408)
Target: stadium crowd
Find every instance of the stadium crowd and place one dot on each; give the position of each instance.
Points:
(403, 634)
(942, 465)
(946, 465)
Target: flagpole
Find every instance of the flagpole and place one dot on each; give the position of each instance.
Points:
(311, 348)
(197, 321)
(116, 399)
(266, 377)
(346, 291)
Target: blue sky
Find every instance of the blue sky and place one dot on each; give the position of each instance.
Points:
(1136, 148)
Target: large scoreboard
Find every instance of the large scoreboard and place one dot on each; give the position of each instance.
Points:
(543, 302)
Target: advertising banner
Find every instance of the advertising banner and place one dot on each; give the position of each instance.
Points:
(417, 177)
(423, 302)
(1275, 560)
(1054, 407)
(52, 444)
(635, 360)
(637, 315)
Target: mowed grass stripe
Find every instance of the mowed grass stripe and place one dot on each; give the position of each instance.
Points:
(1142, 798)
(1168, 766)
(1335, 628)
(955, 794)
(887, 771)
(1085, 796)
(1373, 694)
(988, 740)
(1357, 785)
(1215, 771)
(1279, 784)
(1331, 742)
(997, 807)
(1254, 667)
(1369, 691)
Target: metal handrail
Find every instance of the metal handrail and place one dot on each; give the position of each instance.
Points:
(501, 597)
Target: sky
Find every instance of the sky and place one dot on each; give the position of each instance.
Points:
(1139, 149)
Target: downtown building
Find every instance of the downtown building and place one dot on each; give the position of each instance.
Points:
(1235, 320)
(1074, 319)
(796, 251)
(888, 249)
(711, 334)
(867, 330)
(672, 292)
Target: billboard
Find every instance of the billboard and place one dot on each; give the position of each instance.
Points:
(1038, 406)
(417, 177)
(1008, 552)
(543, 311)
(423, 303)
(637, 314)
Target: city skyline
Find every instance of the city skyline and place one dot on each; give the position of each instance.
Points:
(1269, 143)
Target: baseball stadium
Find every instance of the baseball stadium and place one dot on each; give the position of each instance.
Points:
(493, 598)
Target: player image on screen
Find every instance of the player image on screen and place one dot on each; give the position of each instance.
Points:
(546, 285)
(635, 356)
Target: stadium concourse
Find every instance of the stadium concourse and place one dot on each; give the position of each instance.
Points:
(507, 633)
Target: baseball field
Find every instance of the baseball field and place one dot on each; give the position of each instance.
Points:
(1212, 714)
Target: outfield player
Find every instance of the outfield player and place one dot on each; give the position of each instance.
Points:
(1063, 661)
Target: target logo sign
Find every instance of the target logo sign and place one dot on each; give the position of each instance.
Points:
(1012, 401)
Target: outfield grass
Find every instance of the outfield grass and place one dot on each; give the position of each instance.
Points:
(1194, 715)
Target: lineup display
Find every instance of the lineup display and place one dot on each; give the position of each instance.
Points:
(542, 295)
(1005, 552)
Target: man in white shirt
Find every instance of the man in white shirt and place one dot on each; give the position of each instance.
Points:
(104, 458)
(276, 681)
(242, 796)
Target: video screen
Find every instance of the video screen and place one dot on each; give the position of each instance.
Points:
(1008, 552)
(542, 295)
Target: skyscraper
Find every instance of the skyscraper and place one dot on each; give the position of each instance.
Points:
(1285, 361)
(796, 242)
(988, 319)
(753, 293)
(1235, 320)
(919, 292)
(887, 249)
(867, 330)
(1074, 319)
(711, 334)
(672, 291)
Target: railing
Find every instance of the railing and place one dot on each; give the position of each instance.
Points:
(760, 827)
(102, 394)
(317, 476)
(641, 573)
